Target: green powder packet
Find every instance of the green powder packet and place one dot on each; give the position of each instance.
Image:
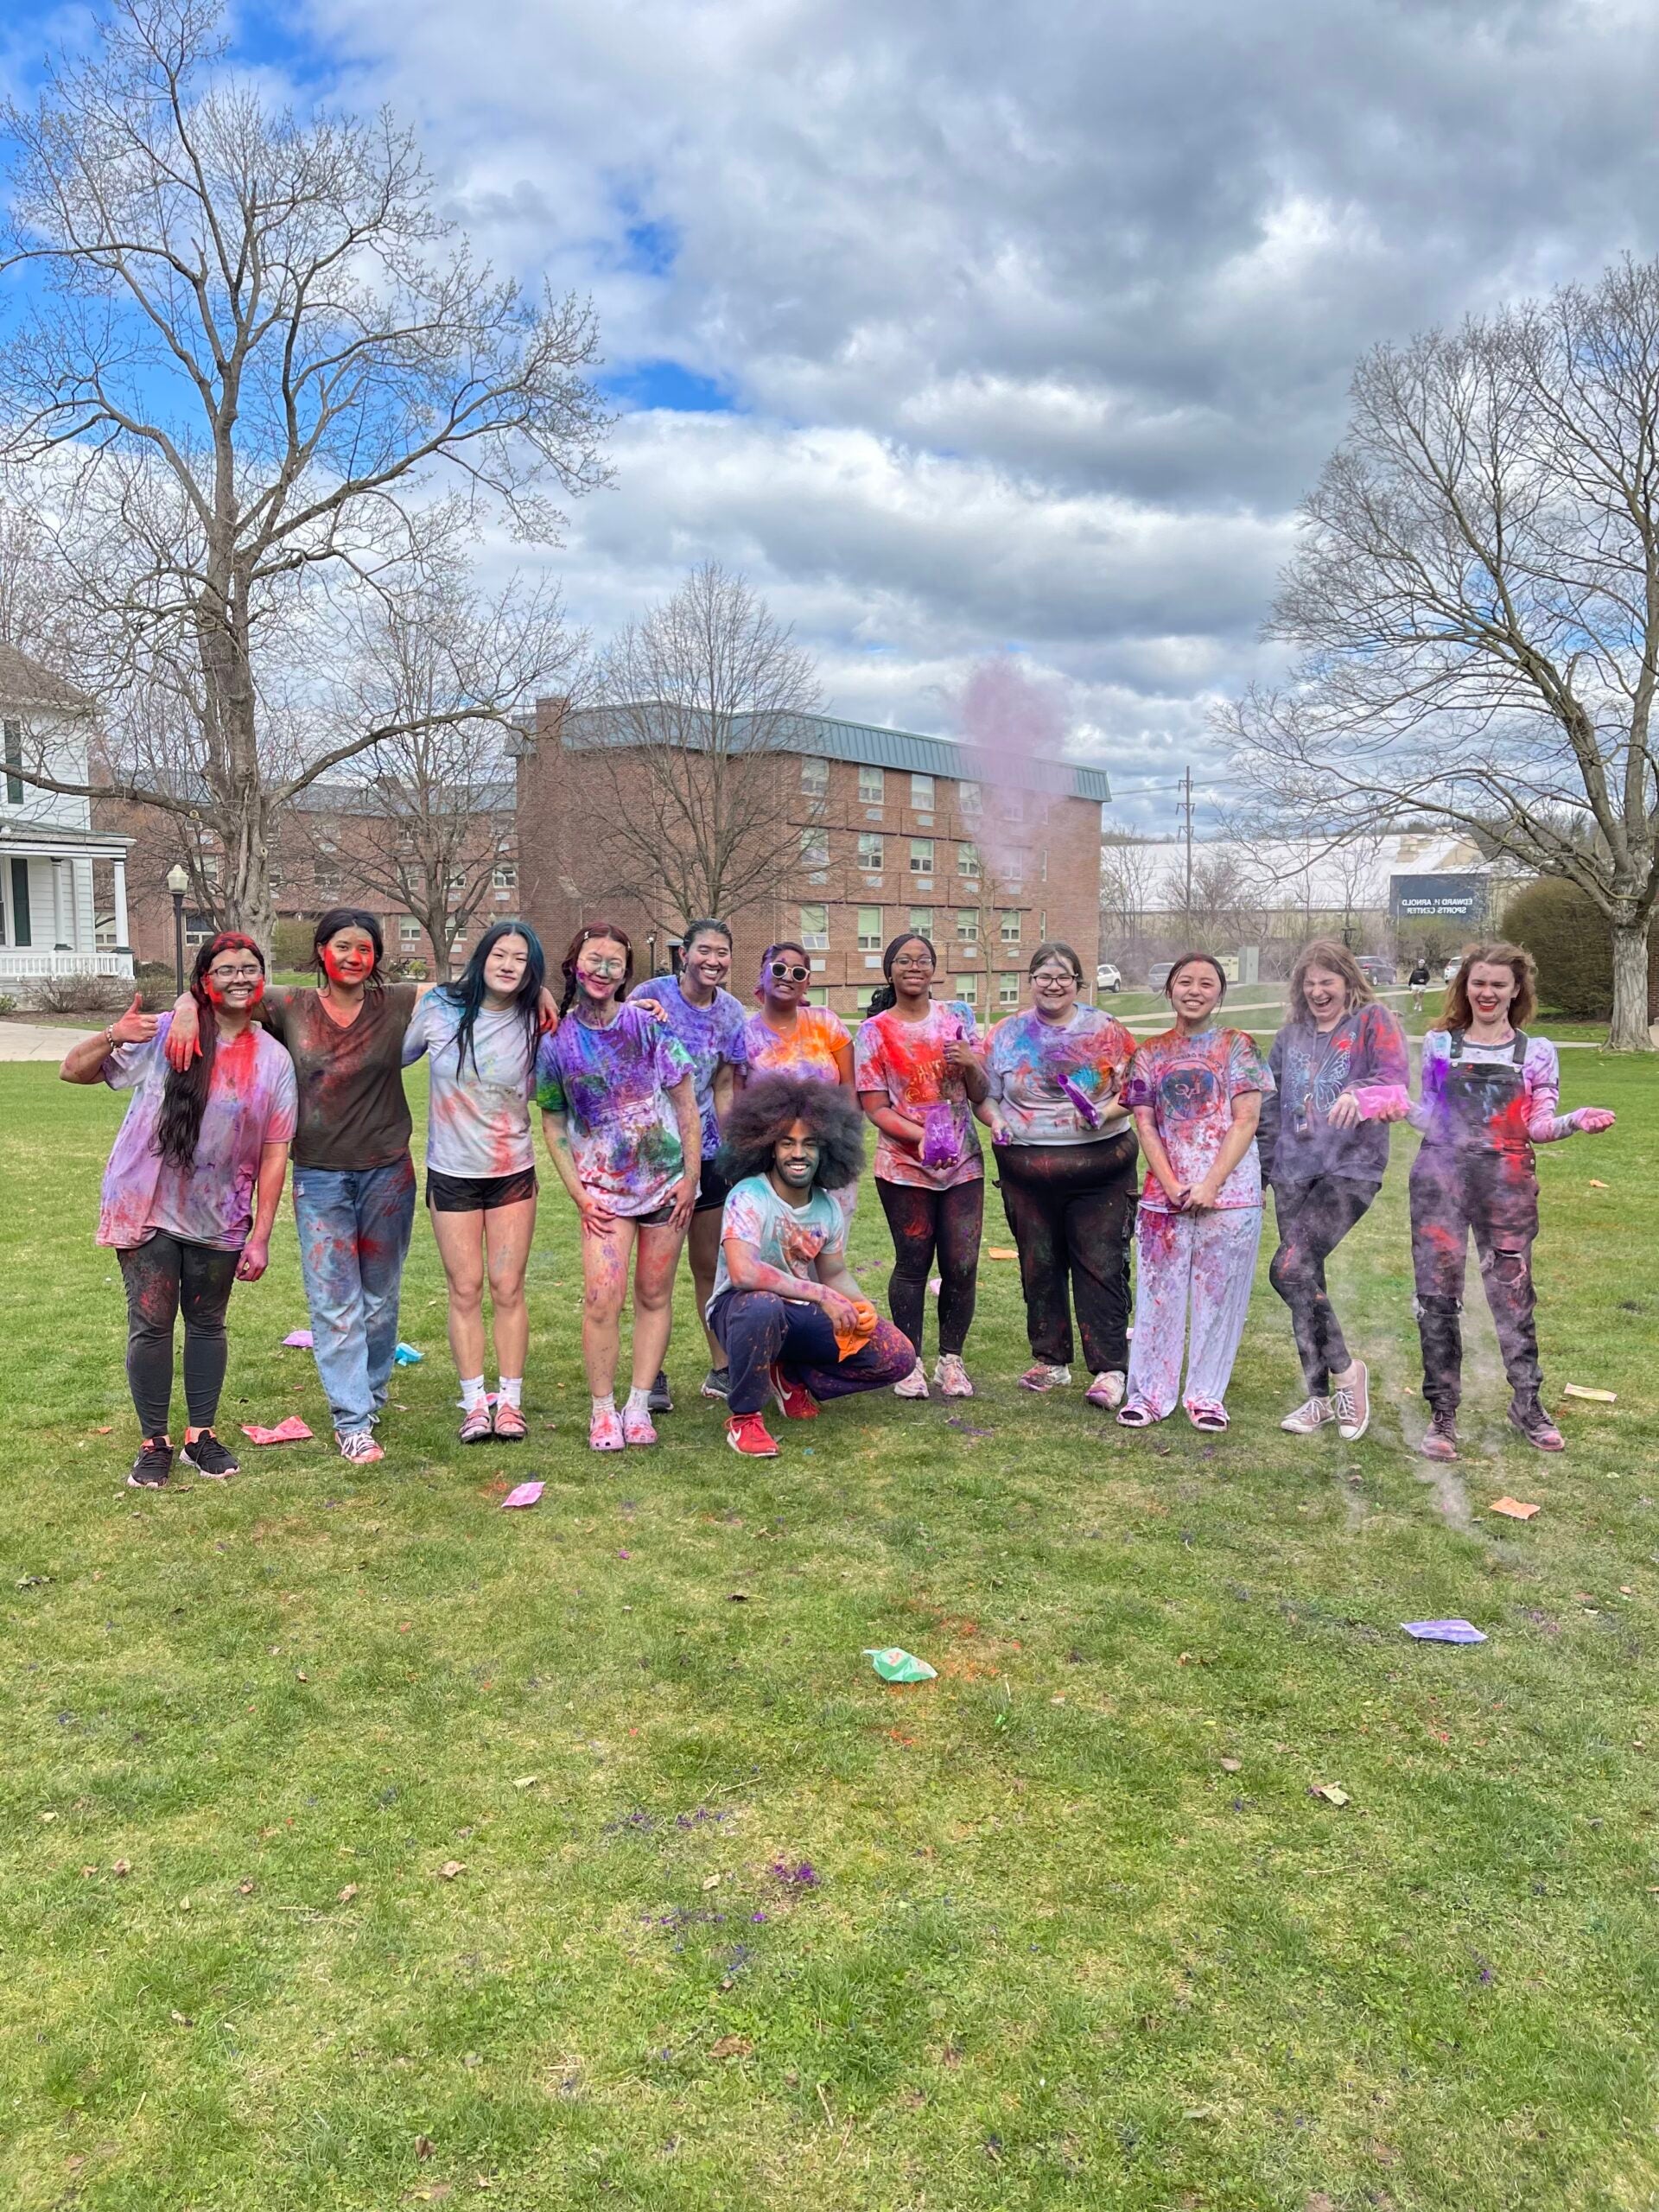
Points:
(896, 1666)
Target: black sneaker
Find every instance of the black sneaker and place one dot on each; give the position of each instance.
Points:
(658, 1399)
(209, 1457)
(717, 1382)
(151, 1469)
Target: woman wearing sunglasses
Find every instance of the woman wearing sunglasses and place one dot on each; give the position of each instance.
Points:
(619, 1104)
(786, 1036)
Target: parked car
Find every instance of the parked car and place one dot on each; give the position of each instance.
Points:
(1376, 969)
(1106, 977)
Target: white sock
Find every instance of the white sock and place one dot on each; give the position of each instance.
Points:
(639, 1402)
(604, 1405)
(472, 1389)
(511, 1389)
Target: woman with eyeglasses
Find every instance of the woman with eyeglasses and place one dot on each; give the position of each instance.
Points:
(918, 1078)
(191, 1191)
(619, 1104)
(1065, 1153)
(481, 1035)
(785, 1035)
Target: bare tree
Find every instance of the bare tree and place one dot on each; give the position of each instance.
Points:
(1476, 603)
(1128, 874)
(694, 705)
(431, 818)
(266, 374)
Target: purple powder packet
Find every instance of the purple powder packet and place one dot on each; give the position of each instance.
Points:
(298, 1339)
(1087, 1112)
(939, 1146)
(1452, 1631)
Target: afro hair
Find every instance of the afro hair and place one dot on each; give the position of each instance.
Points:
(767, 1110)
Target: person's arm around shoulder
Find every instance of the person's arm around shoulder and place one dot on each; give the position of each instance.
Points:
(966, 1054)
(85, 1060)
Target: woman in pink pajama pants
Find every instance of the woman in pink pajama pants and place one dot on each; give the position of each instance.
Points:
(1196, 1093)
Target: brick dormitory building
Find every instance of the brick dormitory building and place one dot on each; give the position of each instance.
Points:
(893, 831)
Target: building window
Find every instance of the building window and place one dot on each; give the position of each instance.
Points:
(966, 987)
(869, 850)
(968, 860)
(327, 881)
(408, 930)
(208, 863)
(1016, 870)
(815, 928)
(275, 876)
(815, 847)
(199, 929)
(817, 996)
(921, 856)
(869, 929)
(866, 992)
(1013, 804)
(1007, 990)
(405, 835)
(13, 761)
(921, 921)
(872, 786)
(921, 792)
(1009, 929)
(815, 776)
(967, 926)
(504, 876)
(968, 798)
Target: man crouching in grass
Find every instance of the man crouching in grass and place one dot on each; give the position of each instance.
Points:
(793, 1324)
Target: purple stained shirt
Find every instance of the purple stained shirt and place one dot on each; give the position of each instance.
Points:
(1189, 1084)
(1050, 1077)
(612, 1085)
(713, 1038)
(252, 1101)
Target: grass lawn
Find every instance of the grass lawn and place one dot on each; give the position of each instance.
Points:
(729, 1923)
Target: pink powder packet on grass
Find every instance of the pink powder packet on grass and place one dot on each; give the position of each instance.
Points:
(291, 1431)
(526, 1494)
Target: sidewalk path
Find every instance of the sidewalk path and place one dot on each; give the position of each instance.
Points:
(25, 1040)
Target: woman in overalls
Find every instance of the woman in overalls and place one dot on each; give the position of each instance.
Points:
(1489, 1095)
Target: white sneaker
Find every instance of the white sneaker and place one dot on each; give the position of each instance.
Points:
(1107, 1389)
(1309, 1417)
(1040, 1375)
(951, 1376)
(1351, 1401)
(915, 1384)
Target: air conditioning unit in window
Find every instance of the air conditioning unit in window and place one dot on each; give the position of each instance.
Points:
(815, 940)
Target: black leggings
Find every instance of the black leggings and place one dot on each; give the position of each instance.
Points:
(924, 1222)
(1072, 1209)
(1314, 1218)
(161, 1276)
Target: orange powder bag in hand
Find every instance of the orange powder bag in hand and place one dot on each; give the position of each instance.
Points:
(848, 1341)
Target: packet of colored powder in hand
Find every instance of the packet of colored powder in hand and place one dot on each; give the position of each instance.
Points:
(1087, 1112)
(1382, 1102)
(939, 1146)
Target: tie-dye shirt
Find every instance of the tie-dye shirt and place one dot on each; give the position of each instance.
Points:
(809, 1053)
(252, 1101)
(612, 1086)
(713, 1038)
(1189, 1084)
(906, 1061)
(1044, 1074)
(790, 1238)
(479, 1121)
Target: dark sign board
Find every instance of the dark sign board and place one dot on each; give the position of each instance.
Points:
(1437, 897)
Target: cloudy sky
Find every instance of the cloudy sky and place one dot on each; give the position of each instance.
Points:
(972, 328)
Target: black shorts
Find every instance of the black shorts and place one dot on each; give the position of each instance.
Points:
(478, 1193)
(713, 1190)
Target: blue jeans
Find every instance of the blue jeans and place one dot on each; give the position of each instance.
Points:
(354, 1227)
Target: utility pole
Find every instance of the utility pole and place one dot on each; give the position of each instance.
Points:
(1186, 810)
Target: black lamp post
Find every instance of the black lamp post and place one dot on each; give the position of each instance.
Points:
(178, 883)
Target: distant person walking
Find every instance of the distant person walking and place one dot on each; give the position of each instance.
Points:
(191, 1191)
(1418, 980)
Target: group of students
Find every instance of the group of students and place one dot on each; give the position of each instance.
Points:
(675, 1118)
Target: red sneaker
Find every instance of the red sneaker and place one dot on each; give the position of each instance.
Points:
(793, 1400)
(747, 1433)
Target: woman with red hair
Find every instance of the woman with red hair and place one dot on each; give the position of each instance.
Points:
(191, 1191)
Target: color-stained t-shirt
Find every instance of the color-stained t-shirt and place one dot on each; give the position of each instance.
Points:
(612, 1086)
(713, 1038)
(1310, 1072)
(809, 1053)
(792, 1239)
(1189, 1084)
(906, 1061)
(251, 1103)
(353, 1110)
(1050, 1077)
(1518, 1117)
(478, 1122)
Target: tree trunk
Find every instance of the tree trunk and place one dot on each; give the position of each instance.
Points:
(1628, 1031)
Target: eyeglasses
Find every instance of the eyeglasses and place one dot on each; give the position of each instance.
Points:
(603, 967)
(914, 960)
(780, 968)
(235, 975)
(1053, 976)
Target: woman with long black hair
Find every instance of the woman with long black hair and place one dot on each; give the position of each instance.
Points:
(481, 1035)
(919, 1079)
(191, 1191)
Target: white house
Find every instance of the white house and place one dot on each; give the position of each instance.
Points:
(63, 886)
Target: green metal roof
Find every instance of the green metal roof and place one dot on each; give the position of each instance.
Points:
(869, 744)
